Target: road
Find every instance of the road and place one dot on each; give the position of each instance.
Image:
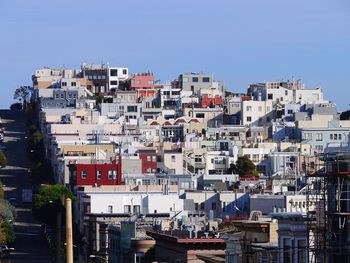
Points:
(30, 244)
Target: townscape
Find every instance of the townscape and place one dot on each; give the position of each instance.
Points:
(186, 170)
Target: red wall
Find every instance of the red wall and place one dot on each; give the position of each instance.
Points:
(148, 164)
(207, 101)
(146, 93)
(91, 174)
(143, 79)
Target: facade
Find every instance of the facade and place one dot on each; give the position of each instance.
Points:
(142, 81)
(181, 247)
(96, 174)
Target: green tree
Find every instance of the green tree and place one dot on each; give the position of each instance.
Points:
(49, 201)
(7, 211)
(16, 106)
(245, 166)
(99, 99)
(23, 93)
(7, 235)
(3, 161)
(2, 194)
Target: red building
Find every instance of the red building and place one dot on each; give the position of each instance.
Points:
(210, 101)
(100, 174)
(149, 160)
(146, 93)
(142, 81)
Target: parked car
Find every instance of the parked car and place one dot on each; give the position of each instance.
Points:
(5, 251)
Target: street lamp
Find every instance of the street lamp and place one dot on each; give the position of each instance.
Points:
(99, 257)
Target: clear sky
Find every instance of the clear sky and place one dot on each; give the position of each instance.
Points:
(239, 41)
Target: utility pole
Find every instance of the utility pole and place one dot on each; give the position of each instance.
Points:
(69, 232)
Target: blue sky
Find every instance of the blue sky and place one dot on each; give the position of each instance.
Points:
(239, 41)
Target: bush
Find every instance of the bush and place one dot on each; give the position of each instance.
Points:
(3, 161)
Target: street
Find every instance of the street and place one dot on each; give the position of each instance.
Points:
(30, 244)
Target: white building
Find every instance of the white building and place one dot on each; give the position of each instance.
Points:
(256, 113)
(115, 75)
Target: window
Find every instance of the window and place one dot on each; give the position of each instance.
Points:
(197, 158)
(196, 206)
(138, 81)
(154, 159)
(290, 111)
(125, 71)
(73, 84)
(64, 84)
(259, 108)
(62, 96)
(132, 108)
(249, 118)
(249, 108)
(331, 136)
(302, 255)
(319, 137)
(270, 96)
(335, 136)
(213, 206)
(185, 79)
(339, 136)
(202, 206)
(287, 250)
(286, 92)
(114, 82)
(83, 174)
(112, 174)
(137, 209)
(307, 136)
(173, 158)
(114, 72)
(110, 209)
(69, 96)
(148, 158)
(223, 206)
(98, 175)
(127, 208)
(195, 79)
(150, 82)
(319, 148)
(199, 115)
(206, 79)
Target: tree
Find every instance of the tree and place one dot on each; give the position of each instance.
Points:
(23, 93)
(7, 211)
(3, 161)
(345, 115)
(99, 99)
(7, 235)
(16, 106)
(245, 166)
(2, 194)
(49, 201)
